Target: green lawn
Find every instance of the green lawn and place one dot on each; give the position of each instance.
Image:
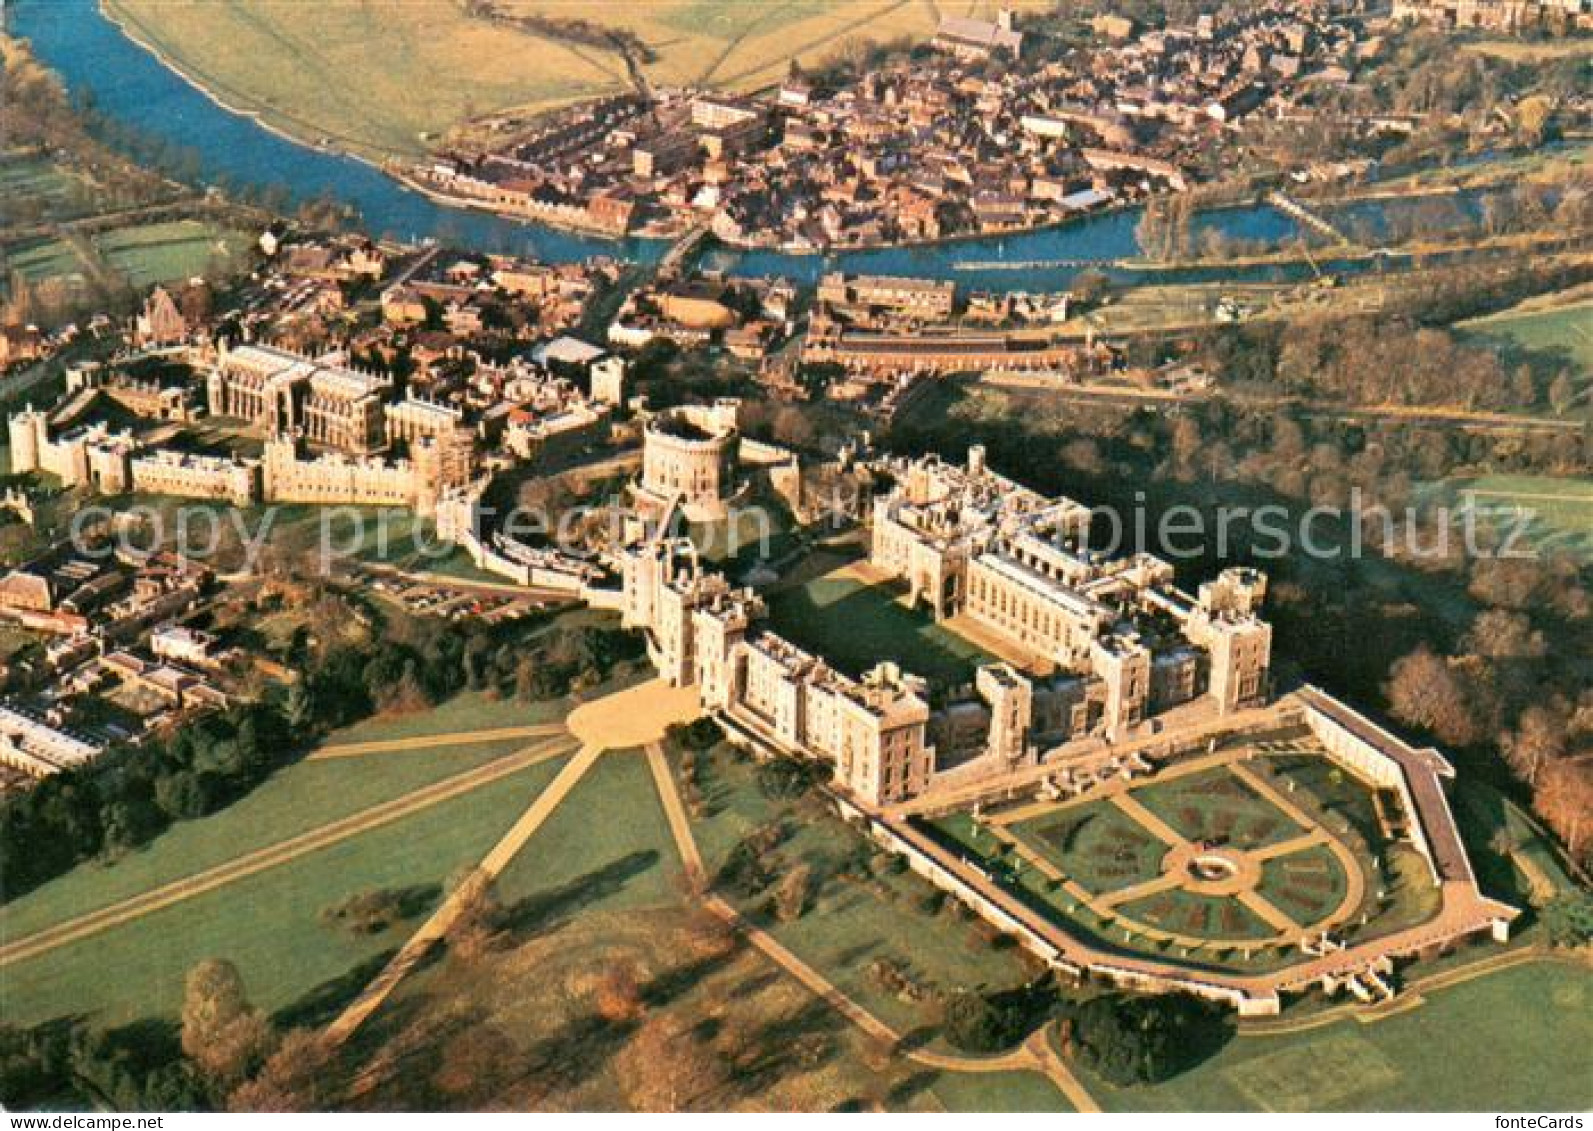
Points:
(35, 188)
(1307, 886)
(299, 798)
(44, 259)
(1199, 915)
(467, 711)
(1482, 812)
(1552, 339)
(606, 847)
(855, 626)
(998, 1092)
(1215, 805)
(168, 251)
(1558, 336)
(268, 924)
(1513, 1040)
(1095, 843)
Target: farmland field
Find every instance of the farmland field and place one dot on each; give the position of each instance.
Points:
(391, 80)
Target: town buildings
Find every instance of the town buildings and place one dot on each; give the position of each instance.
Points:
(1508, 16)
(983, 135)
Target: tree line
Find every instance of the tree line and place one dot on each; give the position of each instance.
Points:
(134, 792)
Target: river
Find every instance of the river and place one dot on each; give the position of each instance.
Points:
(128, 83)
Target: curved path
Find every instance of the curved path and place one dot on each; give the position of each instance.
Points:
(1033, 1055)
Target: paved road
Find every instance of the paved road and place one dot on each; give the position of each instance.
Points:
(271, 856)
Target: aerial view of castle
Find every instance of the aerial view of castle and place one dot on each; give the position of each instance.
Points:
(827, 557)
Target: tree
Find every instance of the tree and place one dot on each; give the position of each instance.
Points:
(221, 1032)
(666, 1066)
(1568, 917)
(1562, 393)
(477, 922)
(791, 896)
(1424, 691)
(1532, 118)
(1141, 1040)
(1500, 634)
(293, 1078)
(1539, 737)
(618, 994)
(989, 1022)
(1563, 797)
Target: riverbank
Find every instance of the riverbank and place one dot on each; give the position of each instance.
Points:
(559, 223)
(130, 82)
(137, 34)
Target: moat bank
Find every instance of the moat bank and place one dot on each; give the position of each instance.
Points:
(130, 84)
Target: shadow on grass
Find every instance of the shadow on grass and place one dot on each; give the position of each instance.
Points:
(324, 1002)
(546, 910)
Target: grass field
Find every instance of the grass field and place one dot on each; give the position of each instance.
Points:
(301, 797)
(1511, 1040)
(1215, 805)
(376, 79)
(855, 626)
(269, 923)
(1548, 514)
(607, 847)
(592, 892)
(392, 79)
(38, 260)
(35, 188)
(144, 254)
(164, 252)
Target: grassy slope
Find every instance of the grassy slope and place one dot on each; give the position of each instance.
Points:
(606, 847)
(268, 923)
(851, 923)
(302, 797)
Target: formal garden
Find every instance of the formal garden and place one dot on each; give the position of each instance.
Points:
(1227, 859)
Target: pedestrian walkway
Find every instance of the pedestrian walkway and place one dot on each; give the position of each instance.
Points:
(443, 919)
(433, 741)
(274, 855)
